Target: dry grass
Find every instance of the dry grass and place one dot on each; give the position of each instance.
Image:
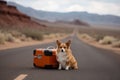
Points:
(2, 38)
(87, 37)
(20, 34)
(116, 44)
(28, 34)
(9, 37)
(24, 38)
(57, 35)
(36, 35)
(16, 34)
(100, 39)
(102, 36)
(107, 40)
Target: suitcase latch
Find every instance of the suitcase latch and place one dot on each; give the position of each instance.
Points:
(38, 56)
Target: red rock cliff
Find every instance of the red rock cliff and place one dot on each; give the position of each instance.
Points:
(10, 16)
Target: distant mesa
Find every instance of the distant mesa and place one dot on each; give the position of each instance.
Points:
(79, 22)
(74, 22)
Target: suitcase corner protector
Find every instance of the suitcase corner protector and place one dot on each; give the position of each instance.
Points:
(34, 51)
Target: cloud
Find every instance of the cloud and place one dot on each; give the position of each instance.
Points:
(96, 7)
(75, 7)
(92, 6)
(45, 5)
(103, 8)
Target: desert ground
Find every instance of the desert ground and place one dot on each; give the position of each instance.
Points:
(55, 31)
(102, 37)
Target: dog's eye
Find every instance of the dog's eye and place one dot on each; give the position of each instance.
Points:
(64, 47)
(60, 47)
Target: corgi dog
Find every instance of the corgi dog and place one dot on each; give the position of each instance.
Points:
(64, 56)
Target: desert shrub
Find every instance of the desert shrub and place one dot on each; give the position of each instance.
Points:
(16, 34)
(23, 38)
(33, 34)
(98, 37)
(9, 37)
(107, 40)
(17, 40)
(116, 44)
(29, 39)
(52, 35)
(86, 36)
(2, 38)
(60, 34)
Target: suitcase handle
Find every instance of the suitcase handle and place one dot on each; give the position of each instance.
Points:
(50, 47)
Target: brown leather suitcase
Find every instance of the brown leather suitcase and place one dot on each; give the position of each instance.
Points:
(45, 58)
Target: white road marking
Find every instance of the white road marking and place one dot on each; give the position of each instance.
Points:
(21, 77)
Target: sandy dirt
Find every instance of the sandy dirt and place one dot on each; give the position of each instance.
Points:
(9, 45)
(96, 44)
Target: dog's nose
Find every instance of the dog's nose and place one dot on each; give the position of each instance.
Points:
(62, 50)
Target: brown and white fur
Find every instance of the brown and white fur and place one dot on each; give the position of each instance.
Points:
(64, 56)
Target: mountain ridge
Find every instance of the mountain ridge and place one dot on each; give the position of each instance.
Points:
(68, 16)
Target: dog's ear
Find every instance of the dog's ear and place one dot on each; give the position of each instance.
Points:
(58, 42)
(68, 43)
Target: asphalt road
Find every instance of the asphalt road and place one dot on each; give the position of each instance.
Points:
(94, 64)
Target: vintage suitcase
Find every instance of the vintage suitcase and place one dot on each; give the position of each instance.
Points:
(45, 58)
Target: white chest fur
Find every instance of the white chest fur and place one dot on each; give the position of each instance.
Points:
(61, 58)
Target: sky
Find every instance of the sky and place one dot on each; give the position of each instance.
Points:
(92, 6)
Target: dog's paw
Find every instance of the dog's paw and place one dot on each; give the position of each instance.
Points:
(60, 67)
(76, 68)
(67, 68)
